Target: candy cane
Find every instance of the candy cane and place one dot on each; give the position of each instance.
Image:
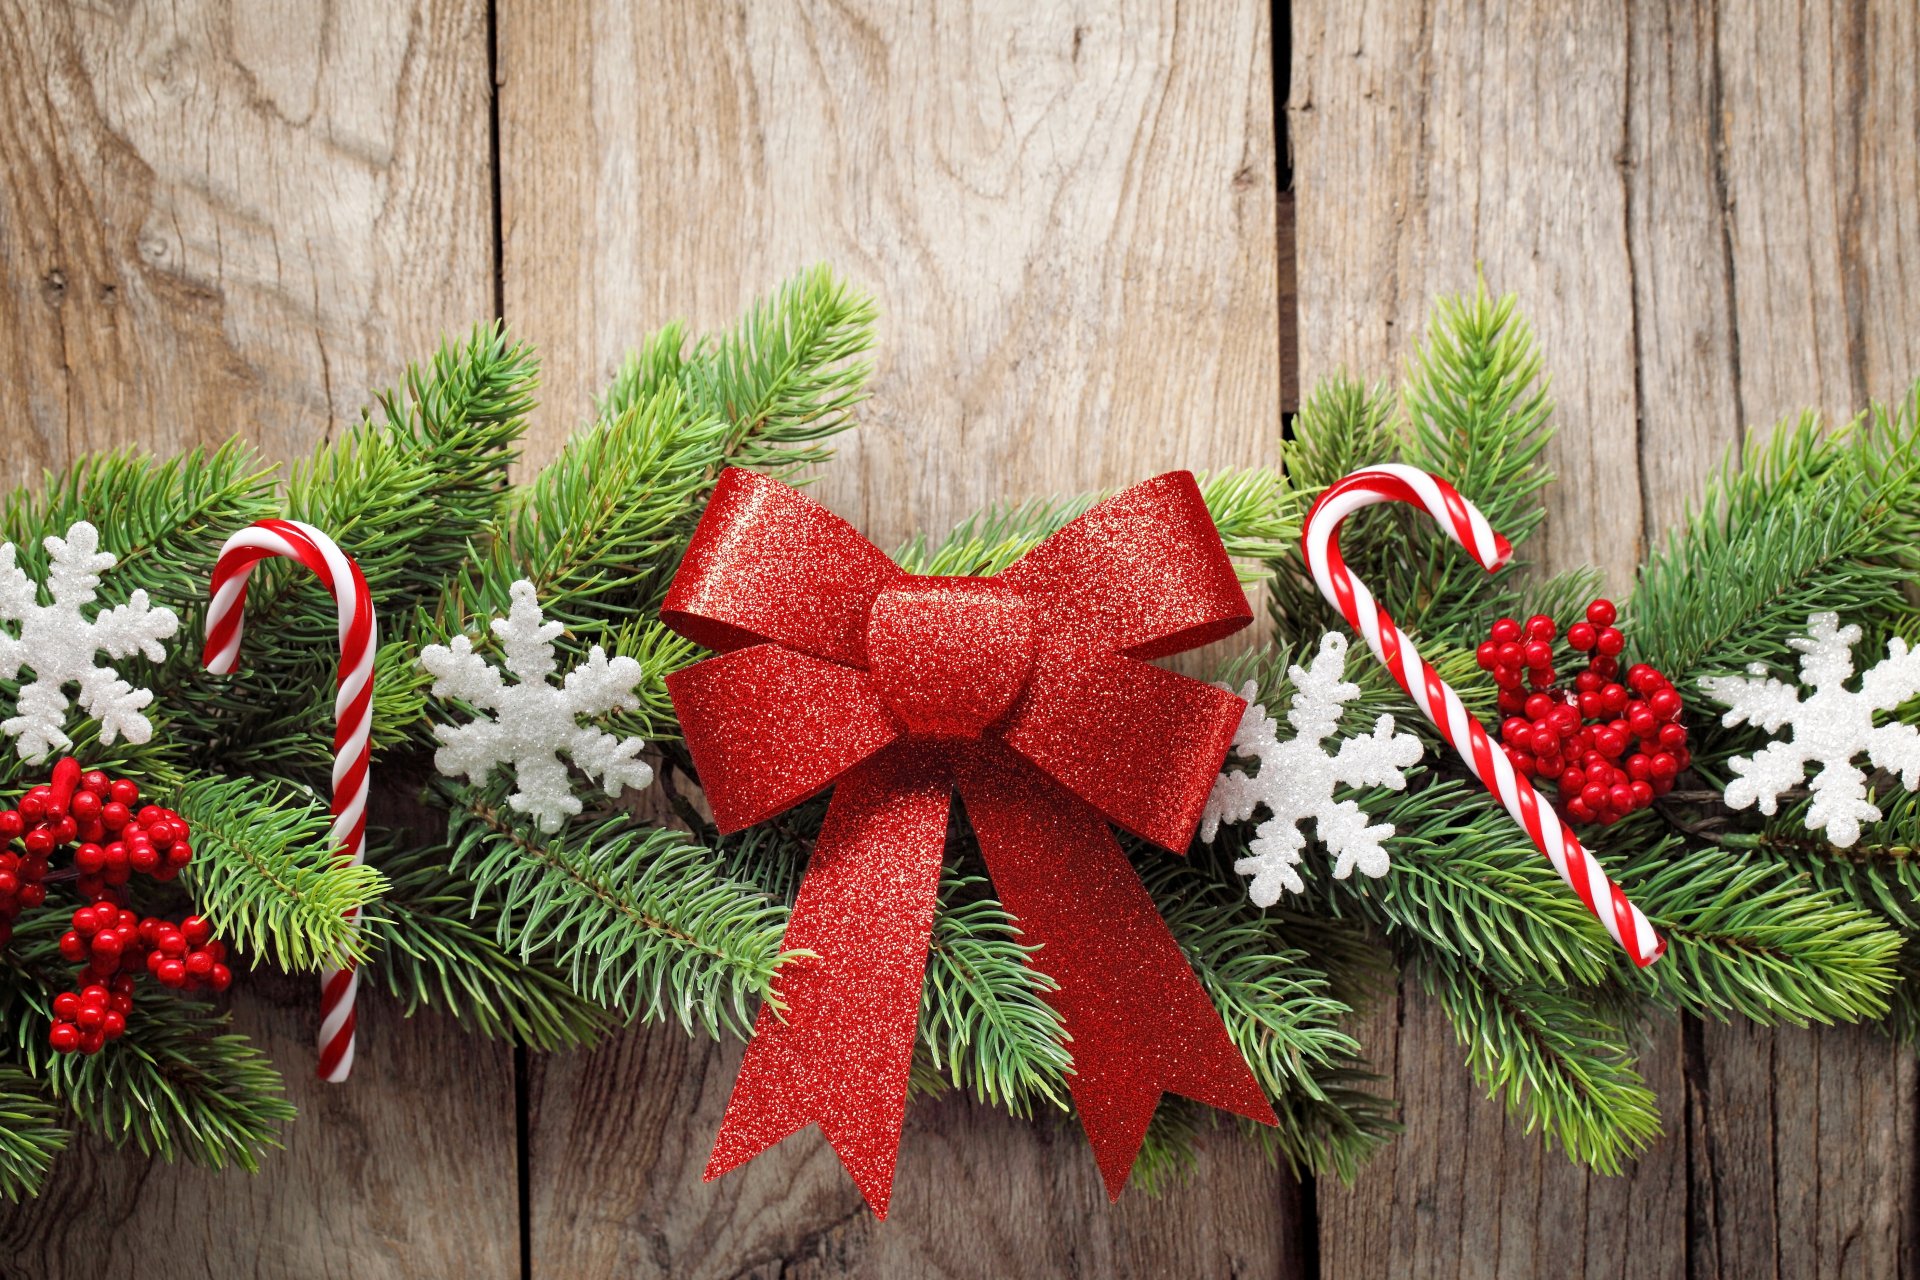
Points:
(352, 714)
(1462, 522)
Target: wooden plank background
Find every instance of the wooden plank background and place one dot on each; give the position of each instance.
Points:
(1084, 222)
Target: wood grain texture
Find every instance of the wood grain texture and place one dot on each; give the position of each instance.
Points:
(1747, 237)
(1065, 210)
(219, 219)
(1068, 216)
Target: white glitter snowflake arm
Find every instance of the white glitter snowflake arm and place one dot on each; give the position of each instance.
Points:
(1830, 728)
(536, 721)
(1297, 778)
(60, 643)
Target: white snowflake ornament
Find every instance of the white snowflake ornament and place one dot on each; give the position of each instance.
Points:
(1297, 778)
(534, 720)
(1830, 728)
(58, 643)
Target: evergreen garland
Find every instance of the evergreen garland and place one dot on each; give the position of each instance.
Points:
(640, 910)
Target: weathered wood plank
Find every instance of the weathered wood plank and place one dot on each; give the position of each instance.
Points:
(1741, 152)
(1430, 142)
(1066, 211)
(1803, 1141)
(221, 219)
(1068, 215)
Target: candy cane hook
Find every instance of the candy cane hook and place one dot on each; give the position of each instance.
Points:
(352, 713)
(1462, 522)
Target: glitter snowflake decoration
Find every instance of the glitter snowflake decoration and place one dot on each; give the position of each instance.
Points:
(1830, 728)
(1297, 778)
(535, 721)
(59, 643)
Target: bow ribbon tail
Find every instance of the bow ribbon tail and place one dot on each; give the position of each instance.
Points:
(1138, 1020)
(839, 1052)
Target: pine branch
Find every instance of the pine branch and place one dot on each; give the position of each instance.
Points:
(1807, 520)
(1553, 1061)
(985, 1023)
(1476, 414)
(31, 1135)
(438, 941)
(264, 873)
(1747, 936)
(638, 917)
(177, 1084)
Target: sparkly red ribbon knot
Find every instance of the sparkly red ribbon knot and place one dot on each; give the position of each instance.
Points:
(1026, 692)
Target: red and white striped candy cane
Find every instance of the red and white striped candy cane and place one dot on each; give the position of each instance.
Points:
(352, 714)
(1462, 522)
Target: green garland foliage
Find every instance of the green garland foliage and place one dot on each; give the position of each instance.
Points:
(641, 910)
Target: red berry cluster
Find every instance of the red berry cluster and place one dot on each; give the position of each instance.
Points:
(116, 836)
(115, 948)
(1608, 747)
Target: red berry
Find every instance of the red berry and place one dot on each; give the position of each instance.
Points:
(220, 978)
(1665, 703)
(1601, 613)
(1581, 636)
(1607, 667)
(114, 816)
(1594, 796)
(1641, 723)
(150, 814)
(143, 858)
(1642, 793)
(65, 829)
(1539, 707)
(1639, 766)
(1545, 743)
(64, 1037)
(86, 807)
(88, 1017)
(1614, 698)
(1538, 653)
(113, 1025)
(66, 1004)
(1505, 631)
(1579, 810)
(1663, 767)
(1540, 627)
(1571, 781)
(39, 842)
(1620, 799)
(1672, 737)
(179, 856)
(95, 783)
(1540, 677)
(1487, 655)
(124, 791)
(106, 947)
(1610, 742)
(199, 963)
(1514, 732)
(196, 931)
(1566, 718)
(10, 824)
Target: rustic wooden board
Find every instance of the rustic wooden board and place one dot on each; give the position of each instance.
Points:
(1068, 216)
(218, 219)
(1627, 172)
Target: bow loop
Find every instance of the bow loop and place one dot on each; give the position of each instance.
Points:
(767, 563)
(1144, 573)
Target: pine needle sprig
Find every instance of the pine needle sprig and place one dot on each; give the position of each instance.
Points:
(638, 917)
(1746, 935)
(985, 1023)
(178, 1084)
(264, 872)
(438, 946)
(1556, 1064)
(32, 1133)
(1804, 521)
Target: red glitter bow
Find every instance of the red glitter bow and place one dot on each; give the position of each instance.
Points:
(1027, 692)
